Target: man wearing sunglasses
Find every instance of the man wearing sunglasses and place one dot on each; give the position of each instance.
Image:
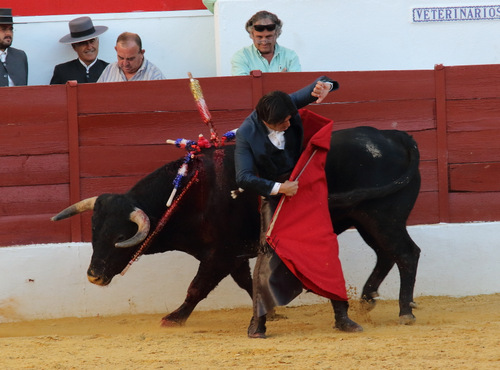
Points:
(265, 54)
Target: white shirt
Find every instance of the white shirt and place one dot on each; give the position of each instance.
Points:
(3, 58)
(147, 71)
(278, 140)
(87, 67)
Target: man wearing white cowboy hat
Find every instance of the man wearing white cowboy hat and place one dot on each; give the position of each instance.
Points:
(83, 38)
(13, 62)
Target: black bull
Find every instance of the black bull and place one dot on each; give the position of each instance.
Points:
(373, 181)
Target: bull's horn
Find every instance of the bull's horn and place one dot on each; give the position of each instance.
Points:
(142, 220)
(79, 207)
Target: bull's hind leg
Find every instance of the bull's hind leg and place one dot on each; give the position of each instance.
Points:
(407, 263)
(393, 245)
(210, 274)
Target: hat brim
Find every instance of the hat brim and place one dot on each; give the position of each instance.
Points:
(68, 39)
(13, 22)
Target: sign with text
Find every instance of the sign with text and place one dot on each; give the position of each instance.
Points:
(456, 13)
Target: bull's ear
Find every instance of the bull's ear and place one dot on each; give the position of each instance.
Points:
(139, 217)
(79, 207)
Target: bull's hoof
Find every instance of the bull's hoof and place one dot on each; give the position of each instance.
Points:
(257, 328)
(368, 301)
(257, 335)
(413, 305)
(166, 323)
(368, 305)
(348, 326)
(407, 319)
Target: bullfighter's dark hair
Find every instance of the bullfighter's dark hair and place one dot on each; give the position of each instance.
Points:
(274, 107)
(263, 14)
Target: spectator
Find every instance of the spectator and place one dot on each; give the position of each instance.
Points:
(83, 38)
(131, 64)
(14, 62)
(264, 54)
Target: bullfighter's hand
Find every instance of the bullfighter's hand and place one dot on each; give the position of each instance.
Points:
(321, 90)
(289, 188)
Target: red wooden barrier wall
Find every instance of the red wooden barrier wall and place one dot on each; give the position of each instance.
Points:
(60, 144)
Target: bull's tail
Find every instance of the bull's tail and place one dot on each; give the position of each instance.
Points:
(353, 197)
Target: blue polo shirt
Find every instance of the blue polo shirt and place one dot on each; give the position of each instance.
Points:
(249, 59)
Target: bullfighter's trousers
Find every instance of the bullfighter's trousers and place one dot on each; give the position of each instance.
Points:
(273, 283)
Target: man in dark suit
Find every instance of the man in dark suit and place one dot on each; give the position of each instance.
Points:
(268, 145)
(14, 63)
(83, 38)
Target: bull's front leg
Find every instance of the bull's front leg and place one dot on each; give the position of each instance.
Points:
(210, 274)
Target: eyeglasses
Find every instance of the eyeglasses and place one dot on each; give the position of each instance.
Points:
(262, 27)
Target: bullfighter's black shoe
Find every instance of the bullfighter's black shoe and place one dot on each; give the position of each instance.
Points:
(342, 320)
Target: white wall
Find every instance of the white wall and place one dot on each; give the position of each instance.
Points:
(339, 35)
(49, 281)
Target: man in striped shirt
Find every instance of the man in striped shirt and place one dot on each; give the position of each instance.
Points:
(131, 64)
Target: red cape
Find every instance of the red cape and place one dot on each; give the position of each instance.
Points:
(301, 231)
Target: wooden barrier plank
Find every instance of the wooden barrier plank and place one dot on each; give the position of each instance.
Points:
(475, 177)
(442, 141)
(361, 86)
(473, 115)
(428, 173)
(153, 128)
(99, 185)
(427, 144)
(223, 93)
(32, 229)
(34, 169)
(105, 161)
(473, 82)
(34, 138)
(39, 128)
(164, 95)
(406, 115)
(426, 209)
(469, 207)
(46, 104)
(474, 146)
(31, 200)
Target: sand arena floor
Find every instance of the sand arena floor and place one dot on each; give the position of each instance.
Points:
(450, 333)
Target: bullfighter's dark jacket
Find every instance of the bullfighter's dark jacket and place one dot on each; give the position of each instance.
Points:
(259, 164)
